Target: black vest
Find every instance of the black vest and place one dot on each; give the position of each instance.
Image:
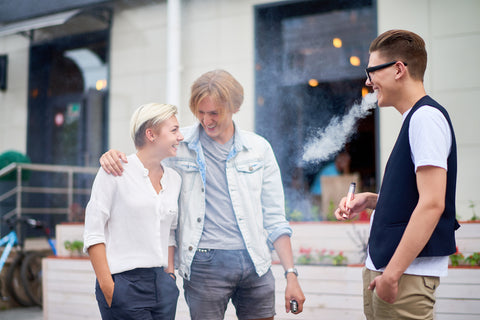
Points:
(399, 196)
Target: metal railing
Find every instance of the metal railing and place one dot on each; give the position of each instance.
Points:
(19, 189)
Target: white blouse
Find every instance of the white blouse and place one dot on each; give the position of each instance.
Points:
(136, 224)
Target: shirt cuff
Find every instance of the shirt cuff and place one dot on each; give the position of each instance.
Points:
(277, 233)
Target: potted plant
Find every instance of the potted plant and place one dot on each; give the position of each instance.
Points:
(74, 247)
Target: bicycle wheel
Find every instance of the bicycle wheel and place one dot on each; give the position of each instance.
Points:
(31, 275)
(14, 284)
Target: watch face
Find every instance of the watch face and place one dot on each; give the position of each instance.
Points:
(292, 270)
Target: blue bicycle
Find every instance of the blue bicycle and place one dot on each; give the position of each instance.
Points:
(23, 279)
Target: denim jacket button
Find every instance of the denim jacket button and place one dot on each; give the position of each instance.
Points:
(190, 248)
(199, 219)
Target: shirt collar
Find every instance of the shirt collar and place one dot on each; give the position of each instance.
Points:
(192, 138)
(137, 164)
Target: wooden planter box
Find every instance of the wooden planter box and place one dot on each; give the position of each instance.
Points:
(72, 231)
(69, 289)
(332, 292)
(336, 293)
(348, 237)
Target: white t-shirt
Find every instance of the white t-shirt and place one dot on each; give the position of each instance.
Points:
(430, 142)
(136, 224)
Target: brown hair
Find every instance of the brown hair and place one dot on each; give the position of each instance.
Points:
(221, 87)
(405, 46)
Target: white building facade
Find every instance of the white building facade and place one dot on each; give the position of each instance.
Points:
(158, 48)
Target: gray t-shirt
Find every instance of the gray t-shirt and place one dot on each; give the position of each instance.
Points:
(220, 229)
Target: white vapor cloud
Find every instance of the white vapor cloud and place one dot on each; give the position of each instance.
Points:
(334, 137)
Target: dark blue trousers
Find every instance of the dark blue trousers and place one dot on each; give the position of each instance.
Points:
(143, 293)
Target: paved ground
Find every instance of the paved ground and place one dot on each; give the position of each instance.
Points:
(33, 313)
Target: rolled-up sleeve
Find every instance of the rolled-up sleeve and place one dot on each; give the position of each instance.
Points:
(172, 241)
(277, 233)
(97, 211)
(273, 200)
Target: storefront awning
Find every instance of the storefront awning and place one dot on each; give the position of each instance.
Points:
(37, 23)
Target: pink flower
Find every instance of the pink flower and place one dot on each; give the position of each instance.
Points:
(305, 250)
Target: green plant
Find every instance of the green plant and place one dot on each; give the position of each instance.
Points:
(305, 256)
(75, 246)
(323, 256)
(457, 258)
(296, 215)
(473, 259)
(472, 206)
(292, 214)
(339, 259)
(331, 211)
(12, 156)
(315, 211)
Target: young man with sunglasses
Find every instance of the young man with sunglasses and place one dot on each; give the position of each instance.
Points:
(413, 225)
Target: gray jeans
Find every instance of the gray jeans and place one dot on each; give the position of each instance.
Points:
(220, 275)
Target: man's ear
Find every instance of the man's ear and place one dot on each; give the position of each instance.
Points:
(400, 70)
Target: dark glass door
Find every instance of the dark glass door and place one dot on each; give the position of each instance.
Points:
(67, 117)
(67, 100)
(309, 70)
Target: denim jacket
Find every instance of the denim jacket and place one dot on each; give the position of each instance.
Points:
(255, 188)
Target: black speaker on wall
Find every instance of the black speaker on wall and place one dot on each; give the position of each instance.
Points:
(3, 71)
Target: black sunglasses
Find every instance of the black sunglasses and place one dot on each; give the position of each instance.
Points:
(379, 67)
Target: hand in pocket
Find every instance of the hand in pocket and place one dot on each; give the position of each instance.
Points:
(108, 294)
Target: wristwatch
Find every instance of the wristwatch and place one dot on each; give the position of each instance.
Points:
(293, 270)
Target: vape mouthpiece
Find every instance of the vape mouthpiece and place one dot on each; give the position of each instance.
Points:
(350, 196)
(351, 189)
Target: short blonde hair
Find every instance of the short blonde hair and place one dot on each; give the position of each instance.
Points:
(148, 116)
(221, 87)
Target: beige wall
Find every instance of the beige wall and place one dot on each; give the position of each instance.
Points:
(215, 34)
(451, 30)
(13, 101)
(137, 66)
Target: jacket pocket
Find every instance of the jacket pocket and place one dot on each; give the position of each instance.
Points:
(249, 166)
(190, 173)
(204, 257)
(187, 166)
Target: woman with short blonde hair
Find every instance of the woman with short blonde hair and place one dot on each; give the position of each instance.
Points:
(130, 223)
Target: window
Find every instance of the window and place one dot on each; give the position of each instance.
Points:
(309, 60)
